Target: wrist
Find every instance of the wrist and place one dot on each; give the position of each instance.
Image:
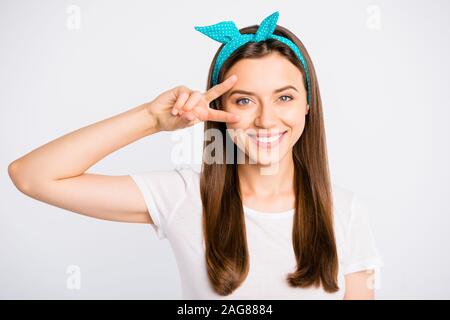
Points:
(150, 122)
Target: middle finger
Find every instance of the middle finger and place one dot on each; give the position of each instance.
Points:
(192, 101)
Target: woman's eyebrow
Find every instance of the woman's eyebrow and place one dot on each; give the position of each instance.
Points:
(252, 93)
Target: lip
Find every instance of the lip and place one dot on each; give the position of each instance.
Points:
(267, 145)
(268, 134)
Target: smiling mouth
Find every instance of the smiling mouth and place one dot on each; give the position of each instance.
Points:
(267, 141)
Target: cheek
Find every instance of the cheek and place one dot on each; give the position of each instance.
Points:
(243, 124)
(294, 119)
(237, 130)
(246, 119)
(293, 116)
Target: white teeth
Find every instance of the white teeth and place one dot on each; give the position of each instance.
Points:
(268, 139)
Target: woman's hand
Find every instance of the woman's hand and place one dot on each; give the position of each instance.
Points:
(182, 107)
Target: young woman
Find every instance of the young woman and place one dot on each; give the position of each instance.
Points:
(268, 224)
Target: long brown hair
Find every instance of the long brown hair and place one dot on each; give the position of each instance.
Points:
(226, 250)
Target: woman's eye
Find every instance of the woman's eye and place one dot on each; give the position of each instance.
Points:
(239, 100)
(290, 98)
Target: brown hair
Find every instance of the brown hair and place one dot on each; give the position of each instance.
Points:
(226, 250)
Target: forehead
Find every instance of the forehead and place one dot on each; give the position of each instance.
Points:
(269, 72)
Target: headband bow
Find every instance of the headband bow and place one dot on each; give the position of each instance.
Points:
(226, 32)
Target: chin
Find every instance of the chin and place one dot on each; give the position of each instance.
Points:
(265, 157)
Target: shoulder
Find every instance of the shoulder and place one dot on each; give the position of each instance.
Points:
(190, 174)
(350, 209)
(346, 205)
(355, 237)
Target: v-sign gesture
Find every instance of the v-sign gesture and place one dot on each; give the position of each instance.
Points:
(182, 107)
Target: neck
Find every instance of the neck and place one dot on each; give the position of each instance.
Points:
(267, 180)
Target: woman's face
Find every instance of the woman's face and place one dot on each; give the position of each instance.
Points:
(270, 97)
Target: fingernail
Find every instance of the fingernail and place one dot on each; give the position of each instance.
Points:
(233, 77)
(174, 111)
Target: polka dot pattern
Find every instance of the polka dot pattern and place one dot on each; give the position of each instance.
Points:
(226, 32)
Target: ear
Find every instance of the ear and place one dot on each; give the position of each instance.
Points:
(307, 109)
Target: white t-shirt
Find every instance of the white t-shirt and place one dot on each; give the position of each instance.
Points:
(174, 203)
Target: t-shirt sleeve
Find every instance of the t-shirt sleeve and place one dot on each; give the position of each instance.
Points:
(162, 191)
(361, 249)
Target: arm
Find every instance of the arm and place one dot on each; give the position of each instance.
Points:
(55, 172)
(359, 285)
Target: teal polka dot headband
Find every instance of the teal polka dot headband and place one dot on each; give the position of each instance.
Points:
(226, 32)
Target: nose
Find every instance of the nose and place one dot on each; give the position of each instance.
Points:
(266, 117)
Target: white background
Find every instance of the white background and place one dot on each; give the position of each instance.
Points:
(383, 69)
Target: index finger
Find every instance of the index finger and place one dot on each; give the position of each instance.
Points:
(220, 89)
